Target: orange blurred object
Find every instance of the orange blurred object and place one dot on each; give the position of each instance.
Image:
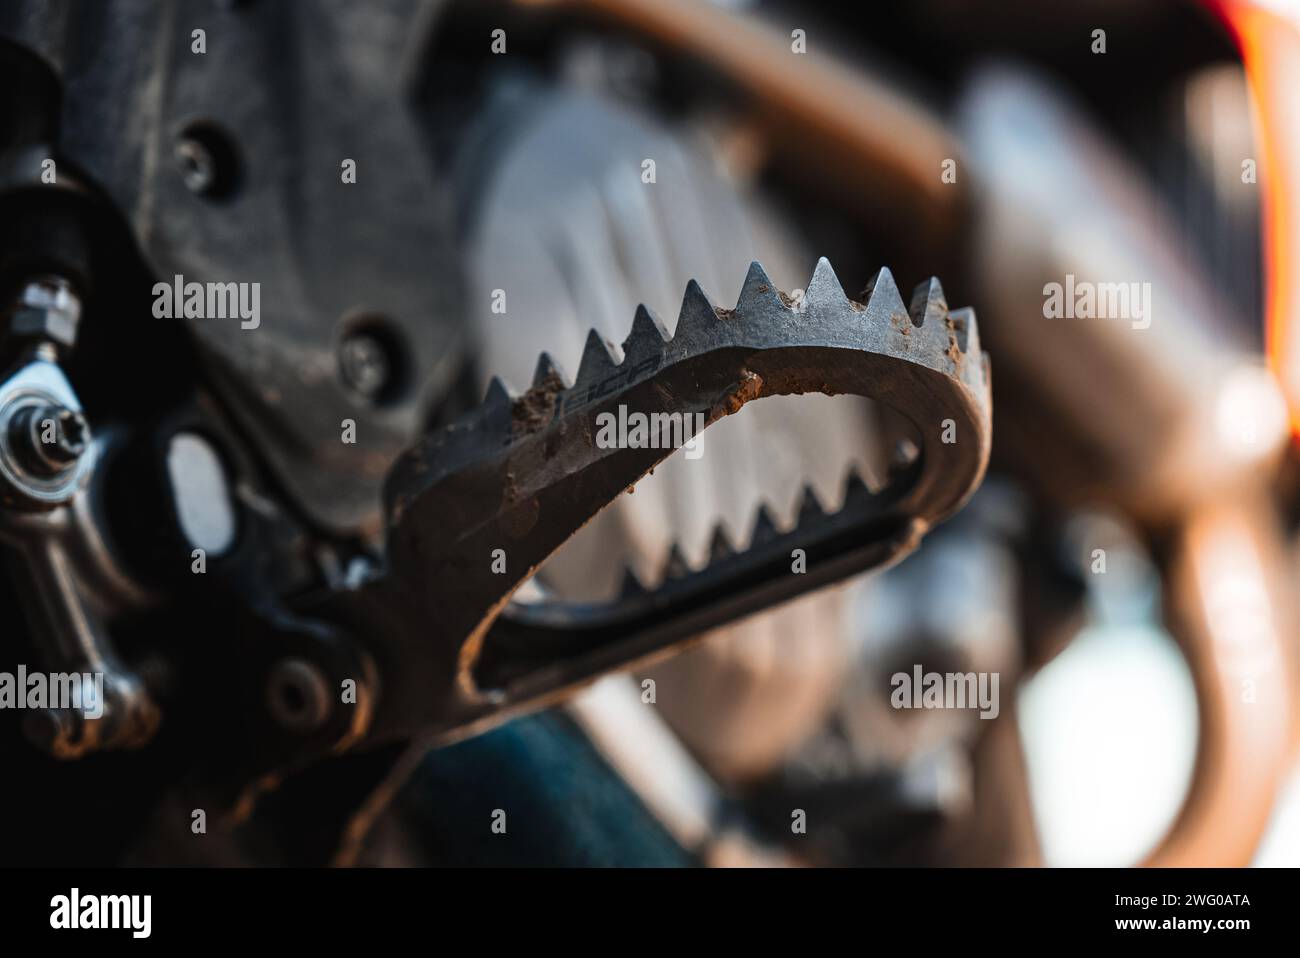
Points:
(1268, 33)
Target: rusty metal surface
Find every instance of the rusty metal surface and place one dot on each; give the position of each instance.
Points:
(522, 474)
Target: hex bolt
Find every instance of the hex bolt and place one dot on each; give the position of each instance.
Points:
(47, 309)
(364, 364)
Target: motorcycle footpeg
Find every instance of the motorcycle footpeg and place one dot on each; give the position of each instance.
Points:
(477, 507)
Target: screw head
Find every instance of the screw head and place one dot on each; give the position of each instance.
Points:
(70, 436)
(197, 165)
(298, 695)
(207, 158)
(49, 439)
(364, 364)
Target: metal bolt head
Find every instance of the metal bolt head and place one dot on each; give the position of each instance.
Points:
(197, 165)
(48, 308)
(298, 694)
(364, 364)
(49, 439)
(70, 435)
